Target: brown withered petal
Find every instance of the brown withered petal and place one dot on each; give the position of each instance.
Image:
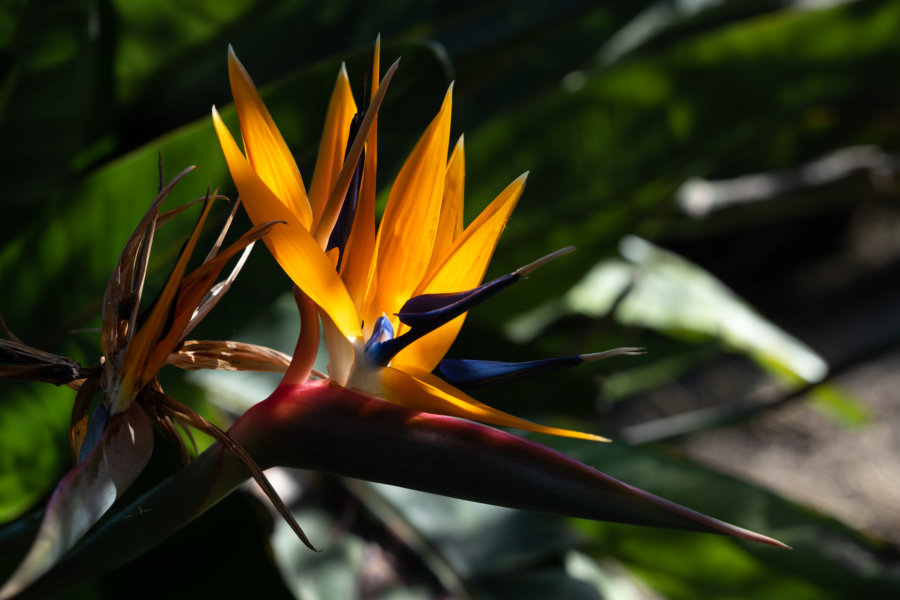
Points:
(6, 331)
(228, 356)
(123, 292)
(198, 291)
(169, 429)
(31, 364)
(165, 217)
(136, 347)
(76, 384)
(54, 374)
(192, 297)
(17, 352)
(219, 240)
(187, 417)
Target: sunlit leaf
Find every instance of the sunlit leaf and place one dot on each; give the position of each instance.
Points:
(666, 292)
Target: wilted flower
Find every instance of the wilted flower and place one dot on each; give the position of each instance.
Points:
(113, 446)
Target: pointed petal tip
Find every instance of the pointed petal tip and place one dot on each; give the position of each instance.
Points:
(217, 119)
(752, 536)
(236, 66)
(534, 266)
(627, 351)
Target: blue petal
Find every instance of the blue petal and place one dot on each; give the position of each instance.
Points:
(433, 310)
(382, 332)
(427, 312)
(483, 373)
(341, 231)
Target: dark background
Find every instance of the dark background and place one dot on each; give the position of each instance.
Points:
(767, 395)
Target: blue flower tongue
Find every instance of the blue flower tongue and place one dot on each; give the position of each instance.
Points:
(381, 332)
(427, 312)
(482, 373)
(469, 374)
(433, 310)
(341, 232)
(430, 311)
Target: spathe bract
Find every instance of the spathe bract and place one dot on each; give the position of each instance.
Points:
(328, 428)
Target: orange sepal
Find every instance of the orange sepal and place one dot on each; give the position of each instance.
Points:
(420, 390)
(267, 151)
(462, 268)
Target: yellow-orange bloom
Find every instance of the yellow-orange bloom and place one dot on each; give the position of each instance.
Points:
(359, 286)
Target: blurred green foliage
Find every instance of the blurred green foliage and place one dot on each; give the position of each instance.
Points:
(611, 106)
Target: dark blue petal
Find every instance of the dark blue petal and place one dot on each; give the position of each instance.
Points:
(344, 224)
(483, 373)
(433, 310)
(382, 332)
(427, 312)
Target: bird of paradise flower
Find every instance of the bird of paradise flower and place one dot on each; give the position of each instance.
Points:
(391, 301)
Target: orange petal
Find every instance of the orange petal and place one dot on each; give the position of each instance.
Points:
(259, 200)
(311, 270)
(338, 194)
(135, 371)
(451, 222)
(268, 153)
(408, 228)
(462, 268)
(291, 244)
(333, 144)
(420, 390)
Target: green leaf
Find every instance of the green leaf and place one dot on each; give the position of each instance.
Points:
(34, 421)
(829, 560)
(659, 290)
(840, 406)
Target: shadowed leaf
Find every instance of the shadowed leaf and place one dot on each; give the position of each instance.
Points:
(86, 493)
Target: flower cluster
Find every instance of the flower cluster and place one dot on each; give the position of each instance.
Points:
(391, 300)
(112, 444)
